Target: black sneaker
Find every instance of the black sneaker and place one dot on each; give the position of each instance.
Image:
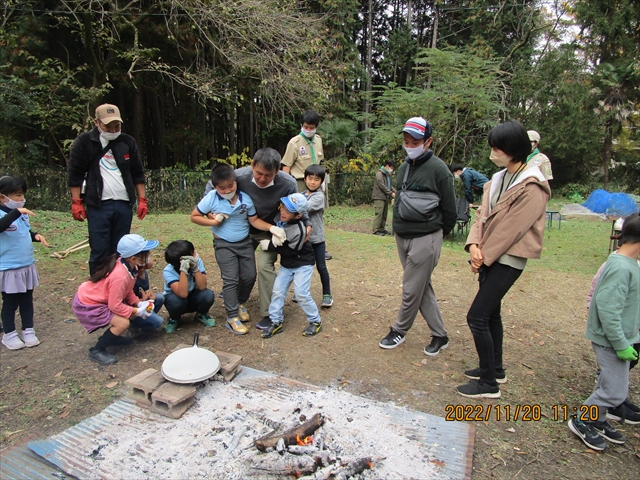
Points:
(101, 356)
(271, 330)
(312, 329)
(437, 344)
(380, 233)
(501, 377)
(631, 406)
(392, 340)
(607, 431)
(479, 389)
(264, 323)
(623, 414)
(588, 434)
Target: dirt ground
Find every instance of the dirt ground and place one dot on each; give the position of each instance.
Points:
(549, 363)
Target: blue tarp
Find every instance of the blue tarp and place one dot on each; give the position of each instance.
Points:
(601, 201)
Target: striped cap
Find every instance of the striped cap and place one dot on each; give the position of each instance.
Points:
(418, 128)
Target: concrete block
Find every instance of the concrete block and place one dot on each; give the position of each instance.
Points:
(228, 362)
(172, 399)
(143, 385)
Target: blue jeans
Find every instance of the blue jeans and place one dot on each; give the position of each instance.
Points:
(197, 301)
(301, 279)
(153, 321)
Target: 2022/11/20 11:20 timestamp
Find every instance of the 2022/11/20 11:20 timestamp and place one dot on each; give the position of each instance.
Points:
(525, 413)
(584, 413)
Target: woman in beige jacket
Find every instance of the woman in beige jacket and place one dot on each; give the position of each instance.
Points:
(508, 230)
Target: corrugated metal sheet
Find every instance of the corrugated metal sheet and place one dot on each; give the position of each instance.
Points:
(18, 463)
(450, 443)
(73, 449)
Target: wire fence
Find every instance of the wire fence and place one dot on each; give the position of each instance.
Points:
(173, 190)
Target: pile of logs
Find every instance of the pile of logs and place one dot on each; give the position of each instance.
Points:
(301, 452)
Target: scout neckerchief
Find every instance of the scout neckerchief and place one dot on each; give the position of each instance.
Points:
(533, 154)
(510, 182)
(313, 152)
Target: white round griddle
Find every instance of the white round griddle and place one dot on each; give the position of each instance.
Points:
(190, 365)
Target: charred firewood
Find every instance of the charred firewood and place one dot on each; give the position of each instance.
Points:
(302, 449)
(290, 436)
(295, 465)
(355, 467)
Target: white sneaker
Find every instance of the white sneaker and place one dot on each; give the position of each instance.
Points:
(29, 337)
(12, 341)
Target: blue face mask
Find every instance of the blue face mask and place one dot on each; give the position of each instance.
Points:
(12, 204)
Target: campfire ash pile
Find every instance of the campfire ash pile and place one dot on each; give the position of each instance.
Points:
(268, 432)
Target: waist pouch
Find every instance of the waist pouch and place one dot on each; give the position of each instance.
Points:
(417, 206)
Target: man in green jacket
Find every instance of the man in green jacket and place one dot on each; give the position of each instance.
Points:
(383, 191)
(419, 242)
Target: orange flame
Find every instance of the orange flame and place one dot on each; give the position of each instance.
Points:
(303, 441)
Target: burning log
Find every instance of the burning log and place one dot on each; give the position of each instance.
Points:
(290, 436)
(271, 464)
(355, 467)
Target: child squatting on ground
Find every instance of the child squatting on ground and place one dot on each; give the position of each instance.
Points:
(229, 213)
(313, 178)
(107, 299)
(185, 285)
(296, 266)
(18, 274)
(612, 327)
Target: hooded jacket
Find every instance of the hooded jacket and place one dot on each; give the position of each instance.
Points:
(515, 225)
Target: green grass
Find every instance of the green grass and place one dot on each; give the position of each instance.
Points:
(580, 245)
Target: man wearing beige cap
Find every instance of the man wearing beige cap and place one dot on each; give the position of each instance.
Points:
(105, 175)
(538, 159)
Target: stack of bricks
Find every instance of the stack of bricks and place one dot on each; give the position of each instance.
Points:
(150, 390)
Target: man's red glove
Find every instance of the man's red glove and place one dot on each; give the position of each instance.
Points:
(142, 208)
(77, 209)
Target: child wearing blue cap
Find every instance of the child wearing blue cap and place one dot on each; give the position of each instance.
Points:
(297, 260)
(107, 299)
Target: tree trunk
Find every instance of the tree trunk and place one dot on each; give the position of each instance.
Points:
(607, 148)
(252, 130)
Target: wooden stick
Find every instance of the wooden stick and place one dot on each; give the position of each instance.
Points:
(306, 429)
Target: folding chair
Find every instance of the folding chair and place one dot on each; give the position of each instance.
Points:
(463, 218)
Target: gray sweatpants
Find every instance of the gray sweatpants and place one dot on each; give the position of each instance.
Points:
(419, 257)
(237, 264)
(612, 385)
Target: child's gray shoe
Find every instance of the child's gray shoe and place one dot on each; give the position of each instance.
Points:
(29, 337)
(12, 341)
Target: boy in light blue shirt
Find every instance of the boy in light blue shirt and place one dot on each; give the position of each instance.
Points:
(185, 285)
(229, 213)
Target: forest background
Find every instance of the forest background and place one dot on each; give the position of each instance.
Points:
(199, 81)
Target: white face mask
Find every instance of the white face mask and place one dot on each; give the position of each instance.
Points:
(12, 204)
(415, 152)
(309, 133)
(500, 159)
(253, 179)
(227, 196)
(457, 175)
(109, 136)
